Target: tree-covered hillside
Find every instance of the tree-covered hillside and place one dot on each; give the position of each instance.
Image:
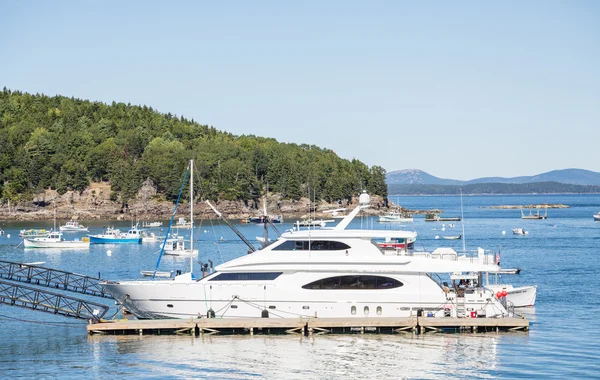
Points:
(66, 143)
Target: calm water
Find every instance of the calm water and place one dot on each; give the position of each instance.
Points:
(560, 255)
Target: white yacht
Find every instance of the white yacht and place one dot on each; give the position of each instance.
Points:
(322, 273)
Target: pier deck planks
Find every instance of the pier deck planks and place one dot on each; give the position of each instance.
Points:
(298, 324)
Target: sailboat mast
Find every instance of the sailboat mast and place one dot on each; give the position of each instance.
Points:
(462, 218)
(191, 214)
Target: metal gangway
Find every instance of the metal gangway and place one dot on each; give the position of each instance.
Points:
(14, 294)
(43, 300)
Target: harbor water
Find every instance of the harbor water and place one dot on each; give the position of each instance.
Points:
(560, 255)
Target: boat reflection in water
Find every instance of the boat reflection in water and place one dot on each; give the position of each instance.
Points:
(325, 356)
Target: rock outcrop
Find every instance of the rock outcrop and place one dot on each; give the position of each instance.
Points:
(95, 203)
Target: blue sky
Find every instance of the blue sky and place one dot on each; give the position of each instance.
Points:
(460, 89)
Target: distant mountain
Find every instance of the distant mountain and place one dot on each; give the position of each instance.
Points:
(493, 188)
(417, 177)
(568, 176)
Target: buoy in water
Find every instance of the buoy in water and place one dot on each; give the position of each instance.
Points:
(109, 253)
(8, 236)
(437, 237)
(503, 232)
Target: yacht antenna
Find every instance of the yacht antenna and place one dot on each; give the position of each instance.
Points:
(462, 218)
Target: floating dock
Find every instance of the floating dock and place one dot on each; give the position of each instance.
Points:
(306, 326)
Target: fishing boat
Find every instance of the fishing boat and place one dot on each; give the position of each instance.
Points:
(73, 226)
(537, 215)
(397, 217)
(152, 224)
(54, 239)
(329, 273)
(34, 233)
(115, 236)
(433, 217)
(520, 231)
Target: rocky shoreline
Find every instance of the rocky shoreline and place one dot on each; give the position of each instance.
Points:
(94, 203)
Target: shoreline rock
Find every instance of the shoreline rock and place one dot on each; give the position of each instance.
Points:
(94, 203)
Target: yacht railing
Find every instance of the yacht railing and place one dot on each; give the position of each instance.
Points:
(479, 256)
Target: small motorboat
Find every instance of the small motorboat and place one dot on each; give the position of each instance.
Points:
(73, 226)
(454, 237)
(520, 231)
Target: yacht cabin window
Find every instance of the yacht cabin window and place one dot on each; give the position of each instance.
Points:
(354, 282)
(265, 276)
(315, 245)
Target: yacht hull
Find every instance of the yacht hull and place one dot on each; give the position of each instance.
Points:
(112, 240)
(285, 298)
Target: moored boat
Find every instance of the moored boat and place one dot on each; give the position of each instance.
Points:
(597, 217)
(520, 231)
(55, 240)
(73, 226)
(452, 237)
(176, 246)
(531, 215)
(115, 236)
(34, 233)
(396, 217)
(521, 296)
(432, 217)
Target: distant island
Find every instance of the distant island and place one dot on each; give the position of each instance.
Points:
(565, 176)
(493, 189)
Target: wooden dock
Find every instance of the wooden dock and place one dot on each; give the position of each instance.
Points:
(306, 326)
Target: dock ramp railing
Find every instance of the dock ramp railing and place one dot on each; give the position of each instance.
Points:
(52, 278)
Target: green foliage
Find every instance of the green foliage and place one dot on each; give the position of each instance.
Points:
(64, 143)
